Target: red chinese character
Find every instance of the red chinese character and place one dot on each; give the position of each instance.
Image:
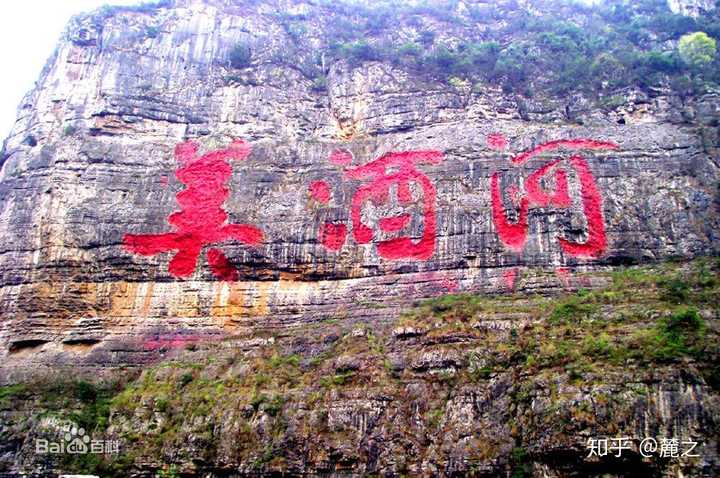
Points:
(201, 220)
(514, 234)
(392, 169)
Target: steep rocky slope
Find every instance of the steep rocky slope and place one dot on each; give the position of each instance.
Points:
(214, 181)
(91, 160)
(460, 385)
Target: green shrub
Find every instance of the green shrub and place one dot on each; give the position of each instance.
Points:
(152, 31)
(378, 18)
(514, 64)
(336, 380)
(258, 400)
(343, 29)
(442, 10)
(357, 52)
(233, 79)
(543, 53)
(674, 336)
(596, 345)
(426, 37)
(8, 392)
(481, 13)
(481, 373)
(95, 399)
(277, 360)
(169, 472)
(319, 84)
(697, 49)
(295, 31)
(674, 290)
(483, 56)
(240, 56)
(683, 324)
(571, 310)
(442, 304)
(85, 391)
(186, 378)
(434, 417)
(576, 371)
(520, 463)
(613, 102)
(605, 68)
(162, 403)
(144, 7)
(274, 406)
(410, 49)
(665, 62)
(706, 278)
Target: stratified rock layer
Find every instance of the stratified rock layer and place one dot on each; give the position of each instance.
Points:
(462, 385)
(114, 101)
(119, 241)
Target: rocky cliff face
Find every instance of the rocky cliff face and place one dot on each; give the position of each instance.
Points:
(155, 194)
(690, 7)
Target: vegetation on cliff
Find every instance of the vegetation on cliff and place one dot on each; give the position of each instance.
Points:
(294, 401)
(551, 46)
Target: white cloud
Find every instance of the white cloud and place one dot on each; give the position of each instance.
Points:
(29, 32)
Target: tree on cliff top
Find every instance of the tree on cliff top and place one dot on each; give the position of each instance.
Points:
(697, 49)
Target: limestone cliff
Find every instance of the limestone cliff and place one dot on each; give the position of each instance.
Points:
(205, 177)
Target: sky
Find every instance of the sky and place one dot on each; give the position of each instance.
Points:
(29, 32)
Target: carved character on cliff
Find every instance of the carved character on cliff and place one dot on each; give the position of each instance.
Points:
(201, 221)
(395, 171)
(514, 233)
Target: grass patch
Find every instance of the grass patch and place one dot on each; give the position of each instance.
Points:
(674, 290)
(336, 380)
(679, 334)
(10, 392)
(572, 309)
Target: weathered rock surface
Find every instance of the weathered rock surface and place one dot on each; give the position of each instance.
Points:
(114, 101)
(454, 399)
(690, 7)
(91, 159)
